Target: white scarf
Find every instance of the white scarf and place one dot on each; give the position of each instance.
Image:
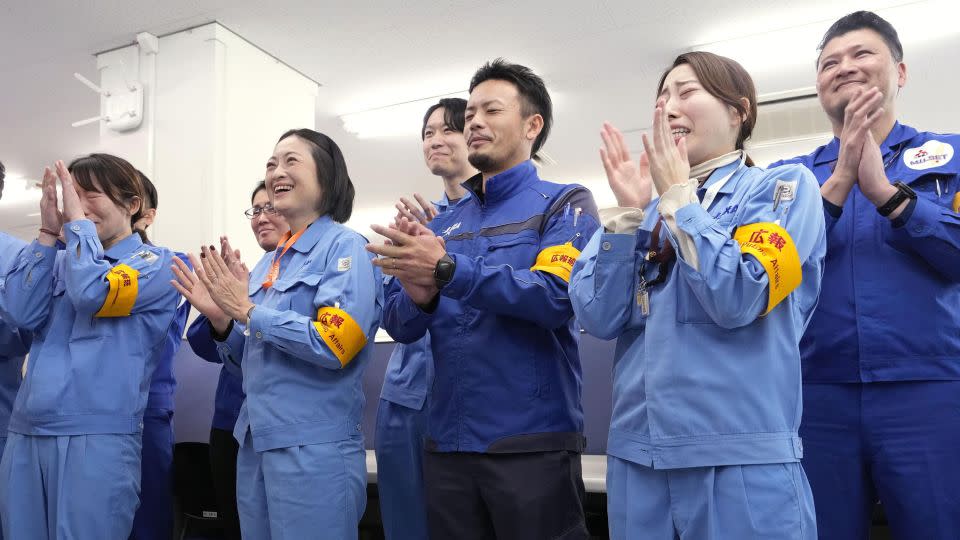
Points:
(702, 171)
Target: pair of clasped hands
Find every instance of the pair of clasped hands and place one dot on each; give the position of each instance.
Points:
(51, 218)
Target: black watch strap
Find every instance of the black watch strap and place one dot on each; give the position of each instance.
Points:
(443, 272)
(903, 193)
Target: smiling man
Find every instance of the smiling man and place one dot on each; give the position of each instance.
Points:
(506, 421)
(881, 375)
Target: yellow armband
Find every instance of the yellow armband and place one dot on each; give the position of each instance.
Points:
(557, 260)
(956, 203)
(772, 246)
(340, 332)
(123, 292)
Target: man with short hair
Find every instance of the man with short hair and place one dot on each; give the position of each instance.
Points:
(14, 344)
(488, 280)
(881, 357)
(402, 414)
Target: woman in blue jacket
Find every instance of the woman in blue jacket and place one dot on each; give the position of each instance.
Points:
(708, 289)
(307, 313)
(268, 228)
(97, 310)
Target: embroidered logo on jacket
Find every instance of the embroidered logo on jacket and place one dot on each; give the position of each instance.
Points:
(450, 229)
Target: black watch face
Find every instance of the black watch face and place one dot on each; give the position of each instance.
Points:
(444, 270)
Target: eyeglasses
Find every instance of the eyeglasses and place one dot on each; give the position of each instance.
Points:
(255, 211)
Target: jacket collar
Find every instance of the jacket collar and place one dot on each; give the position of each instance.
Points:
(504, 185)
(311, 235)
(124, 247)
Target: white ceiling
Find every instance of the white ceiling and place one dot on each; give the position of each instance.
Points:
(600, 59)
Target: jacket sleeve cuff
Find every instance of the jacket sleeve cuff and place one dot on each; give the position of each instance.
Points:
(907, 213)
(462, 277)
(832, 210)
(620, 219)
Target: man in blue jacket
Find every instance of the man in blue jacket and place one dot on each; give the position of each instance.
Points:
(489, 281)
(14, 344)
(402, 414)
(881, 357)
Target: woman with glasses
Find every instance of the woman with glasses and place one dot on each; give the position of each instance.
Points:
(98, 310)
(308, 312)
(268, 228)
(708, 290)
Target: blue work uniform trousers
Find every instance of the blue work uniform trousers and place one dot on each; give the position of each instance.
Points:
(399, 448)
(896, 442)
(310, 491)
(154, 518)
(735, 502)
(81, 487)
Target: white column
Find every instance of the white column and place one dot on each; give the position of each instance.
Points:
(214, 107)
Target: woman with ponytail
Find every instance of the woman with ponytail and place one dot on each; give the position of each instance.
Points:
(98, 310)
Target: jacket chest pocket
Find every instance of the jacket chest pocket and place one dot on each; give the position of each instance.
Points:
(940, 188)
(296, 293)
(518, 250)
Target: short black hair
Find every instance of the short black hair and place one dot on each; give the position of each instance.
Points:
(533, 92)
(261, 185)
(335, 183)
(151, 198)
(860, 20)
(453, 113)
(3, 174)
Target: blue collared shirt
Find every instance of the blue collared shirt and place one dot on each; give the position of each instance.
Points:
(298, 392)
(863, 331)
(87, 374)
(702, 379)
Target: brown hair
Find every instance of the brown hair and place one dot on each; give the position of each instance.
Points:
(118, 180)
(726, 80)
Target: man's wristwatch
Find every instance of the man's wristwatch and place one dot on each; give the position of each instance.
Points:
(443, 272)
(903, 193)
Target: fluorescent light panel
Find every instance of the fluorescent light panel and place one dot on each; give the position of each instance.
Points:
(788, 47)
(397, 120)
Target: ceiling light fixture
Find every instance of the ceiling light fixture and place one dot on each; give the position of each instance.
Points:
(915, 22)
(19, 189)
(396, 120)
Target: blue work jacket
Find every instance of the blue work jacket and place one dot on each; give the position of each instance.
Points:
(891, 291)
(706, 372)
(97, 318)
(14, 344)
(409, 374)
(308, 340)
(505, 345)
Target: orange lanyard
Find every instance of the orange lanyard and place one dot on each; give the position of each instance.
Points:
(274, 272)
